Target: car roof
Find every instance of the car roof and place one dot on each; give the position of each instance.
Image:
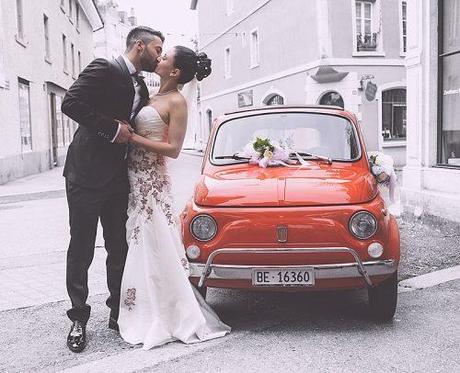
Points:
(326, 109)
(277, 107)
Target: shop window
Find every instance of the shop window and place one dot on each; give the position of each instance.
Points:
(394, 111)
(449, 60)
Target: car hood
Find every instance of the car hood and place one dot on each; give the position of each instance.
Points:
(282, 186)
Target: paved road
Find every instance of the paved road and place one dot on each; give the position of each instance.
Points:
(315, 332)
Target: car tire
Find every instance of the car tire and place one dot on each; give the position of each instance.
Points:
(383, 299)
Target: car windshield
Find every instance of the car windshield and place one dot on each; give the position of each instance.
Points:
(325, 135)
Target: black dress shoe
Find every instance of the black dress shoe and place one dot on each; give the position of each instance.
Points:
(113, 324)
(76, 340)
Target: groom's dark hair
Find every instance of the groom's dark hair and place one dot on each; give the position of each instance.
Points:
(144, 33)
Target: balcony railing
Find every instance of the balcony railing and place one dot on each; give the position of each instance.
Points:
(366, 41)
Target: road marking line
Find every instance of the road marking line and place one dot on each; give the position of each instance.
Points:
(429, 279)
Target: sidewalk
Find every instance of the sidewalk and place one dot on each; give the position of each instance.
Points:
(47, 184)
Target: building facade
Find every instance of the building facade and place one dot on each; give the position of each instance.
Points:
(43, 47)
(349, 53)
(110, 41)
(431, 177)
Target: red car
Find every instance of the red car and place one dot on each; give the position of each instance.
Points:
(314, 223)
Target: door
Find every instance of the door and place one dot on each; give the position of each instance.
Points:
(54, 137)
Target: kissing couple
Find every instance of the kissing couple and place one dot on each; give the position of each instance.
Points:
(116, 170)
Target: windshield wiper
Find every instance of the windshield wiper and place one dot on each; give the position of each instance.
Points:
(234, 156)
(311, 155)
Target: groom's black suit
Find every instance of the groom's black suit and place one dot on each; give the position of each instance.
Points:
(96, 177)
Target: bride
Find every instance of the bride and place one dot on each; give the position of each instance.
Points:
(158, 304)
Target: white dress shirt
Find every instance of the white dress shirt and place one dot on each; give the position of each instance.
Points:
(137, 90)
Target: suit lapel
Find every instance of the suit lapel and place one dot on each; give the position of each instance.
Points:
(144, 92)
(129, 81)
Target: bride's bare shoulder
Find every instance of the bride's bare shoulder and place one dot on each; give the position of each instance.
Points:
(177, 100)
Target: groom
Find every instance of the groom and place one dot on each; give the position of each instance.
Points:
(106, 95)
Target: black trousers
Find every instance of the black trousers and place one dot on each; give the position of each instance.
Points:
(86, 206)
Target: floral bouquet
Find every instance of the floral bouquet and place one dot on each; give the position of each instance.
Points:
(266, 152)
(381, 166)
(383, 171)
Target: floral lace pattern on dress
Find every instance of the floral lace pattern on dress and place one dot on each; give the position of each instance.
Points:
(148, 178)
(130, 298)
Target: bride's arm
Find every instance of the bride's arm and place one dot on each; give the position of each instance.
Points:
(176, 132)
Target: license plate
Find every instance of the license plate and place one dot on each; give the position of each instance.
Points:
(283, 277)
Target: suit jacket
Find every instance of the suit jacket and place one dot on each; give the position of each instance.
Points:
(103, 92)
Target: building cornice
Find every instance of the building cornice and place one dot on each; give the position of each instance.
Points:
(236, 23)
(92, 13)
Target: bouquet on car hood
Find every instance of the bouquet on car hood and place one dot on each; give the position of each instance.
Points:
(266, 152)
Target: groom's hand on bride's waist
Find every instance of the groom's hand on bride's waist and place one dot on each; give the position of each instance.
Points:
(124, 132)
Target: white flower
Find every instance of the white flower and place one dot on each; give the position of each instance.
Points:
(268, 154)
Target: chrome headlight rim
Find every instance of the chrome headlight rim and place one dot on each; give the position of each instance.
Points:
(201, 216)
(354, 216)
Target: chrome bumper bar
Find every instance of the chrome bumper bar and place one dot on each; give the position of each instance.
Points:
(322, 271)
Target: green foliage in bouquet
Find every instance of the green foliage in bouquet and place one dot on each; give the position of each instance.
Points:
(261, 145)
(372, 159)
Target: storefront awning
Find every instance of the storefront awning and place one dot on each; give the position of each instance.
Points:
(327, 74)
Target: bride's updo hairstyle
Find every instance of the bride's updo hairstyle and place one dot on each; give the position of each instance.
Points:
(191, 64)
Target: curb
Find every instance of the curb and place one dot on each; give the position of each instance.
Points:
(13, 198)
(430, 279)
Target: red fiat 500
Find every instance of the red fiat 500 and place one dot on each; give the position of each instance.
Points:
(316, 223)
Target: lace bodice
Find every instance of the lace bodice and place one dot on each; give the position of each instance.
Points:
(147, 171)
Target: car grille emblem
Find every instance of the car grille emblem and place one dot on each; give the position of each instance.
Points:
(282, 233)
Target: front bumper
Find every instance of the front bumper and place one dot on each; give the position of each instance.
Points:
(356, 269)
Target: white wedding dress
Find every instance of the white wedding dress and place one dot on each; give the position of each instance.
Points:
(158, 303)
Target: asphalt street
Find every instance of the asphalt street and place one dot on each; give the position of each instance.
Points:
(272, 332)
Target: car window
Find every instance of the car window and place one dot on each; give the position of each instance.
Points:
(321, 134)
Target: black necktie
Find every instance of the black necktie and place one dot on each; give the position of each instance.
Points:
(138, 78)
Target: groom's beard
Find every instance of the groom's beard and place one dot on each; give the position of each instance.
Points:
(148, 63)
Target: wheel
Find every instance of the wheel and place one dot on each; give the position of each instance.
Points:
(203, 290)
(383, 299)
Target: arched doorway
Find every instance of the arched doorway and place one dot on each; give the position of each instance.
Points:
(332, 98)
(274, 99)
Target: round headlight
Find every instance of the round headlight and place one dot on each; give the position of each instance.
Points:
(375, 250)
(203, 227)
(193, 252)
(363, 225)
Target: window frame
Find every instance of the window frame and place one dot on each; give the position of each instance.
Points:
(24, 82)
(46, 34)
(79, 62)
(227, 62)
(77, 16)
(440, 100)
(71, 11)
(399, 140)
(254, 49)
(375, 20)
(20, 34)
(72, 56)
(64, 54)
(402, 22)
